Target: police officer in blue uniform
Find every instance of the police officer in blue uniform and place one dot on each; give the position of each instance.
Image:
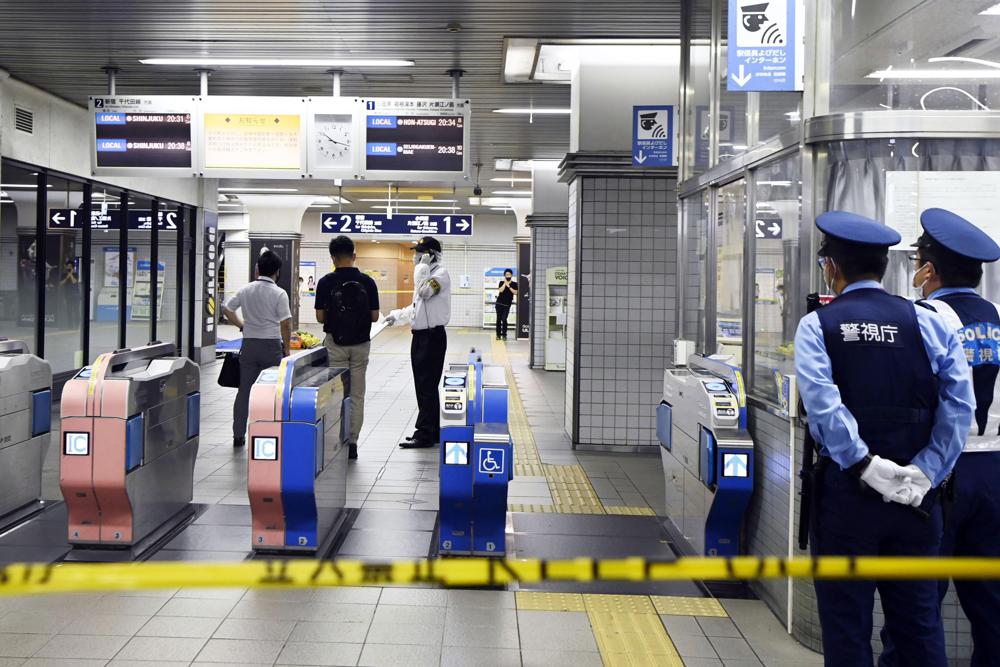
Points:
(949, 267)
(889, 397)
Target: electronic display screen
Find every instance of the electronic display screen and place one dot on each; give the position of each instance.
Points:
(415, 143)
(143, 140)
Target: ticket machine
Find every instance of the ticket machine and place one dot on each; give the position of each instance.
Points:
(477, 458)
(297, 474)
(25, 419)
(707, 454)
(130, 426)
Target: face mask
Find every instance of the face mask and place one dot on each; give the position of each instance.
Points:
(919, 288)
(827, 282)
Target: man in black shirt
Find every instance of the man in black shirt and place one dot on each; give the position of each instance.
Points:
(505, 297)
(347, 304)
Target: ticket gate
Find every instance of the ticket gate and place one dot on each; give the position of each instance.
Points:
(477, 458)
(130, 426)
(297, 469)
(25, 419)
(707, 454)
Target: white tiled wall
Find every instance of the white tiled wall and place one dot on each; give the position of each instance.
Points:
(626, 284)
(549, 248)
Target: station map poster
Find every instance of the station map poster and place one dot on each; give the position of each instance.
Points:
(416, 137)
(148, 133)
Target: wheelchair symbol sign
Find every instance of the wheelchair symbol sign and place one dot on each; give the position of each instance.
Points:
(491, 461)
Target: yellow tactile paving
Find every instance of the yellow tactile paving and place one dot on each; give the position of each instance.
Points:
(628, 639)
(532, 601)
(673, 605)
(531, 507)
(630, 511)
(628, 604)
(528, 469)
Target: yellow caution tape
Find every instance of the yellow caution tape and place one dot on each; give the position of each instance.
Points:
(23, 579)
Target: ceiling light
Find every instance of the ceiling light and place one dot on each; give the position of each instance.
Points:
(232, 205)
(279, 62)
(20, 186)
(257, 190)
(512, 192)
(537, 111)
(505, 209)
(782, 184)
(383, 200)
(501, 179)
(332, 199)
(991, 11)
(416, 208)
(935, 74)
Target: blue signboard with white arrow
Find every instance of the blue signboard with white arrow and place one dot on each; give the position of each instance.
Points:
(735, 465)
(765, 46)
(399, 223)
(653, 136)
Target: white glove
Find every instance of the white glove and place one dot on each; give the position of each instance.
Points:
(889, 479)
(389, 320)
(920, 485)
(421, 272)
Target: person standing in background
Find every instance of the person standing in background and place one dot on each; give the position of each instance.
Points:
(346, 305)
(267, 332)
(428, 315)
(505, 298)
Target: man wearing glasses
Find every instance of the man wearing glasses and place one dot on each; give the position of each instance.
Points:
(948, 267)
(887, 389)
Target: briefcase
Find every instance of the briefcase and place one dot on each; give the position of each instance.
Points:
(229, 376)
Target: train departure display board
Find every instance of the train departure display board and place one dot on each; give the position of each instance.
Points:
(143, 133)
(416, 138)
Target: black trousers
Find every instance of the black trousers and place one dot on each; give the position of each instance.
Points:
(427, 351)
(503, 312)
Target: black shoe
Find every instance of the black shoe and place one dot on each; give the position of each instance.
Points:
(239, 442)
(352, 452)
(417, 444)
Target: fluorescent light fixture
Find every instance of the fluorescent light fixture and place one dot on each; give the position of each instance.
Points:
(513, 193)
(279, 62)
(19, 186)
(501, 179)
(416, 208)
(257, 190)
(331, 199)
(537, 111)
(505, 209)
(76, 444)
(231, 205)
(781, 184)
(935, 74)
(6, 201)
(991, 11)
(383, 200)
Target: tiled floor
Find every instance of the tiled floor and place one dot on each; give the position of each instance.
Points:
(396, 494)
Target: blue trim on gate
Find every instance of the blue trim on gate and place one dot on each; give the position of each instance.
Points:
(134, 442)
(193, 415)
(298, 474)
(41, 412)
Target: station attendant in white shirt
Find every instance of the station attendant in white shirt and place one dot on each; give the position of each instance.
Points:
(428, 315)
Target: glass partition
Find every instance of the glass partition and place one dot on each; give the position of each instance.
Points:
(172, 217)
(63, 288)
(911, 54)
(138, 308)
(777, 207)
(18, 302)
(696, 213)
(104, 271)
(729, 242)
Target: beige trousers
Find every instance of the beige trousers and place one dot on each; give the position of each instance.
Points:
(355, 359)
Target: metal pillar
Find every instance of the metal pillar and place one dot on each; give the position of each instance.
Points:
(456, 87)
(112, 73)
(203, 79)
(336, 74)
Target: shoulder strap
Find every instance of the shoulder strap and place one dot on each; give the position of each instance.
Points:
(945, 311)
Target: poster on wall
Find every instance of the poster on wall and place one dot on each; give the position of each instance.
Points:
(210, 270)
(141, 293)
(307, 279)
(523, 290)
(112, 269)
(970, 194)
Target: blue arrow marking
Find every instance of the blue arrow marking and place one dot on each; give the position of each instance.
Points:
(735, 465)
(457, 454)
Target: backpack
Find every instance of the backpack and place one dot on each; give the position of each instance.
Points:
(348, 314)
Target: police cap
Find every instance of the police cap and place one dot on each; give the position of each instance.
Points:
(428, 244)
(854, 228)
(959, 235)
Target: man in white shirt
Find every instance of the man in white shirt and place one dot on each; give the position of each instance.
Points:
(428, 315)
(267, 332)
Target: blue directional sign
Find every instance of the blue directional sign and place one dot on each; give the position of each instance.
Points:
(735, 465)
(400, 223)
(765, 52)
(456, 453)
(491, 461)
(653, 136)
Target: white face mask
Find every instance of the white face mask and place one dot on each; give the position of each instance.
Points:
(919, 289)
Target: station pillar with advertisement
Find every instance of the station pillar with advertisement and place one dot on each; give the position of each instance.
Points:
(288, 248)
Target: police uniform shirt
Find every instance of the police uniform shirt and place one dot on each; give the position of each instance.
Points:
(977, 322)
(432, 299)
(835, 428)
(264, 305)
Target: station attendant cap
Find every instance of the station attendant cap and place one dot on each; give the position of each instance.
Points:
(854, 228)
(428, 244)
(959, 235)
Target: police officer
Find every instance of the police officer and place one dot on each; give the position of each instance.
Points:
(428, 315)
(949, 267)
(889, 399)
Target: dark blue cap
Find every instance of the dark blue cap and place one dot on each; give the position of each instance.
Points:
(959, 235)
(854, 228)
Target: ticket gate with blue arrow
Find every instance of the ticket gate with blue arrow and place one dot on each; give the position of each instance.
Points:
(707, 454)
(476, 458)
